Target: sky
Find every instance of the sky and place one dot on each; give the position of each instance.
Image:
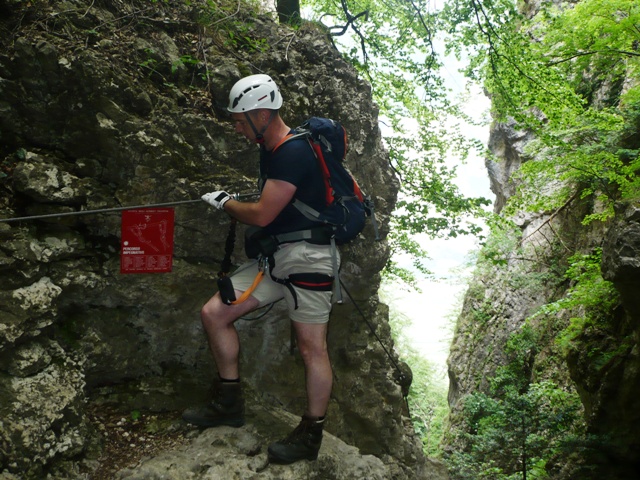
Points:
(431, 312)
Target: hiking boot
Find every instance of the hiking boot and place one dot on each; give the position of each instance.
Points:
(301, 444)
(227, 408)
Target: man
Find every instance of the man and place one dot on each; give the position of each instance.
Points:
(288, 171)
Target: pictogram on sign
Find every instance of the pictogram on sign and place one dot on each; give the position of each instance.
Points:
(147, 241)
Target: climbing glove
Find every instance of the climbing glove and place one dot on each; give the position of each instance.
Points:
(217, 199)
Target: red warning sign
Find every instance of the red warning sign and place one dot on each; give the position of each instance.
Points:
(147, 241)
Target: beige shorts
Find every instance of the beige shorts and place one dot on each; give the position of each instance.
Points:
(300, 257)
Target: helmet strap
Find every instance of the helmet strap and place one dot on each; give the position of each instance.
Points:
(260, 135)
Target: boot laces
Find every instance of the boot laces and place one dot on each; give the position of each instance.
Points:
(303, 432)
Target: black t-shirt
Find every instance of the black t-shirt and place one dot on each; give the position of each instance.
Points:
(294, 162)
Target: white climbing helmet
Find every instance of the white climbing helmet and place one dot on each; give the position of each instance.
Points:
(253, 92)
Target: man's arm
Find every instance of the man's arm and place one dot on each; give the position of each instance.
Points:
(275, 195)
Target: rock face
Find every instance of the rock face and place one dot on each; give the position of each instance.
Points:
(601, 365)
(239, 454)
(614, 403)
(109, 104)
(601, 362)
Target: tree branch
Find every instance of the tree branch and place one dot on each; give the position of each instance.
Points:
(350, 23)
(593, 52)
(350, 20)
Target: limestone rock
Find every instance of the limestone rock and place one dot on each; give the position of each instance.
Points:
(111, 104)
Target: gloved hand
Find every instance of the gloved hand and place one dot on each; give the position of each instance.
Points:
(217, 199)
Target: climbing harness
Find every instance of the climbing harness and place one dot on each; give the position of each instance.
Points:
(313, 281)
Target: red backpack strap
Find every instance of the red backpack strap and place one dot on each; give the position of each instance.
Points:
(326, 176)
(317, 150)
(356, 190)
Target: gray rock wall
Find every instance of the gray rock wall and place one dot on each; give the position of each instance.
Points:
(601, 364)
(107, 104)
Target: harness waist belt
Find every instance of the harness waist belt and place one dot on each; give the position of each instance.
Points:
(316, 236)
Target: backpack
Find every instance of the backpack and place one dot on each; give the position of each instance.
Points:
(346, 207)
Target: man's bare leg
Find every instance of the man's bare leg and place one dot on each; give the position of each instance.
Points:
(305, 441)
(218, 321)
(227, 406)
(312, 344)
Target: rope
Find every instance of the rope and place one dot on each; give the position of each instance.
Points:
(117, 209)
(229, 244)
(401, 376)
(226, 261)
(92, 212)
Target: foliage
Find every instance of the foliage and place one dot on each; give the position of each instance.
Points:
(393, 45)
(521, 426)
(551, 72)
(428, 394)
(589, 160)
(516, 428)
(428, 404)
(500, 246)
(603, 38)
(511, 264)
(394, 268)
(590, 299)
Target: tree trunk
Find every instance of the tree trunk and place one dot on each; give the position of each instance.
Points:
(288, 11)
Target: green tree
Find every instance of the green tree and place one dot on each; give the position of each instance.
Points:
(545, 68)
(560, 72)
(591, 303)
(516, 428)
(392, 43)
(427, 399)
